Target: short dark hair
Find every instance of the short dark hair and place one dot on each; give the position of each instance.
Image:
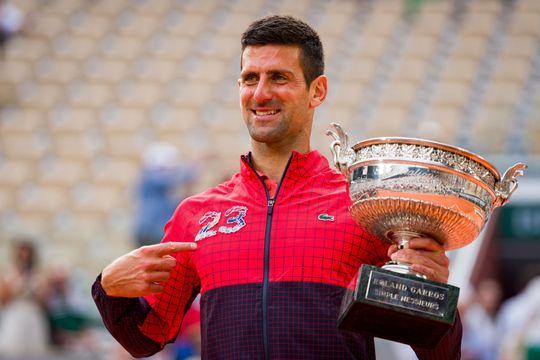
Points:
(287, 30)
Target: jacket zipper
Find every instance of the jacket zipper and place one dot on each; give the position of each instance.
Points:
(266, 264)
(266, 273)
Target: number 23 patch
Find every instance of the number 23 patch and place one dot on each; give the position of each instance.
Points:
(235, 221)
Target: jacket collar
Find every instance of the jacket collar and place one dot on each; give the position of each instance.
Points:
(300, 165)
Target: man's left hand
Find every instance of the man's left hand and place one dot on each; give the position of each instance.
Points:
(426, 257)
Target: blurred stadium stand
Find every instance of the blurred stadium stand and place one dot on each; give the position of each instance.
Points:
(91, 83)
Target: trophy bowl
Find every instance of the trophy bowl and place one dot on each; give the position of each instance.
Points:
(402, 188)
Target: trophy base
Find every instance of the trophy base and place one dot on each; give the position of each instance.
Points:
(399, 307)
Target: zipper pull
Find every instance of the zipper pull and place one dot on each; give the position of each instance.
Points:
(270, 206)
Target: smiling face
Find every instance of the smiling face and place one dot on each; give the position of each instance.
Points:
(277, 105)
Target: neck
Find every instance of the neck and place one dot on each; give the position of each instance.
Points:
(271, 161)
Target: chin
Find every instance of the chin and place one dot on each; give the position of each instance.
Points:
(266, 137)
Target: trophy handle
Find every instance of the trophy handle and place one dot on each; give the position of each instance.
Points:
(343, 155)
(508, 183)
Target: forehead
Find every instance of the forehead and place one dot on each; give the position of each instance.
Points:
(271, 57)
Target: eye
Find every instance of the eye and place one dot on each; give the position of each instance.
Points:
(279, 78)
(250, 79)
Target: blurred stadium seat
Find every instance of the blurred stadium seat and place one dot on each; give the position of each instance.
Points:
(90, 84)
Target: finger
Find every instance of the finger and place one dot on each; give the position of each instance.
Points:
(422, 257)
(425, 243)
(155, 288)
(158, 276)
(434, 266)
(392, 249)
(171, 247)
(440, 275)
(165, 263)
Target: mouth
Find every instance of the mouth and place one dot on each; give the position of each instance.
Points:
(265, 112)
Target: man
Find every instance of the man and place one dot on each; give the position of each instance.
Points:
(275, 246)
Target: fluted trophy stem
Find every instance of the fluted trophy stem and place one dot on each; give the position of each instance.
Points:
(401, 239)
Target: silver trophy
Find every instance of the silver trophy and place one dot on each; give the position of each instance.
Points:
(403, 188)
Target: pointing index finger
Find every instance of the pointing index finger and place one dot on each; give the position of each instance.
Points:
(173, 247)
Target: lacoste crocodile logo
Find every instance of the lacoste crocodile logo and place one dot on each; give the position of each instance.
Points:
(325, 217)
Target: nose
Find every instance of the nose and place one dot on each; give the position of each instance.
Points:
(262, 92)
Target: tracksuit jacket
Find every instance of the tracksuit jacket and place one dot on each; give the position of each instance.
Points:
(271, 265)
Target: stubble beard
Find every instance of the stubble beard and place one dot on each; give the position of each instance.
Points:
(268, 133)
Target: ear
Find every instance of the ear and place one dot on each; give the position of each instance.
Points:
(318, 90)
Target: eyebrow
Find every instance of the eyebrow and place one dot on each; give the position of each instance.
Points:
(269, 72)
